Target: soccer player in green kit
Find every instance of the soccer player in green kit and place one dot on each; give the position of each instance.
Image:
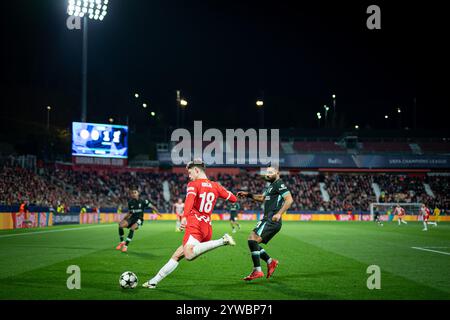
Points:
(134, 219)
(277, 200)
(233, 208)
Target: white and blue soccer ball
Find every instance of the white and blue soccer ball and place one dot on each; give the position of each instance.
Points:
(128, 280)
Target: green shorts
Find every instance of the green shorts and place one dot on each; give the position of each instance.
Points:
(266, 229)
(132, 220)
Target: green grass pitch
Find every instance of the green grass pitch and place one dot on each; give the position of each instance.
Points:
(318, 260)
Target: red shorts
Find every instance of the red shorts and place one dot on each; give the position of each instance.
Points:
(425, 218)
(198, 229)
(401, 215)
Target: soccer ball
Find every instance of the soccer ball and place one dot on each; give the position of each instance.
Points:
(128, 280)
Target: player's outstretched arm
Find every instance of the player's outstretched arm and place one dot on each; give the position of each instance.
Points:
(256, 197)
(225, 194)
(150, 205)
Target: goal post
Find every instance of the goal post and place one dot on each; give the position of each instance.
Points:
(411, 208)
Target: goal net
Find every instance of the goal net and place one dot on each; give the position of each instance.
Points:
(411, 208)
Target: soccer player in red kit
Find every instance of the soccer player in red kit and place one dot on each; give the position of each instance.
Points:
(201, 197)
(426, 216)
(400, 212)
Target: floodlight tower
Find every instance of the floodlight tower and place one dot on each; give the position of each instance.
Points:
(86, 9)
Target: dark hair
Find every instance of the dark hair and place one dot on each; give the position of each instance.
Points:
(196, 163)
(134, 187)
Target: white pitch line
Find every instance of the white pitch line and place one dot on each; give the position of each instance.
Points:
(49, 231)
(423, 249)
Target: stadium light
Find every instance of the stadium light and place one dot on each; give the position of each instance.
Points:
(111, 120)
(334, 96)
(152, 113)
(356, 127)
(183, 103)
(386, 117)
(48, 116)
(94, 9)
(144, 105)
(136, 95)
(259, 103)
(399, 111)
(326, 114)
(86, 9)
(319, 116)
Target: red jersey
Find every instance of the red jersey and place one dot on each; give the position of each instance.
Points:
(426, 212)
(202, 195)
(201, 198)
(400, 211)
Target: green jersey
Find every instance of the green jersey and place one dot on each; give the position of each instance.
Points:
(136, 207)
(234, 207)
(274, 198)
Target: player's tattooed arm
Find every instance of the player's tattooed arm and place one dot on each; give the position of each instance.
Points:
(152, 206)
(288, 200)
(256, 197)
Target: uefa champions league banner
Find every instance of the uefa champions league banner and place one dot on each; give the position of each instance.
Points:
(338, 160)
(402, 161)
(364, 161)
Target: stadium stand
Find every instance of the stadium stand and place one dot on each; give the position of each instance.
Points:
(52, 187)
(388, 147)
(317, 146)
(395, 188)
(435, 147)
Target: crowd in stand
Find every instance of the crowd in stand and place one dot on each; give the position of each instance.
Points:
(347, 192)
(18, 185)
(440, 185)
(401, 188)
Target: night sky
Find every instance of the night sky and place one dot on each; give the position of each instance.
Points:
(223, 55)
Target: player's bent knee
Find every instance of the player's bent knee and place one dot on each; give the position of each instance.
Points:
(189, 256)
(188, 253)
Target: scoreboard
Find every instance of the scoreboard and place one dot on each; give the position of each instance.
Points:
(99, 140)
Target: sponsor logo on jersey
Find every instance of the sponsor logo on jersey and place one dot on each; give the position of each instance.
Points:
(204, 218)
(206, 184)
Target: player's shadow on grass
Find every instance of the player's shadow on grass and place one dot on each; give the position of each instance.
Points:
(57, 247)
(284, 285)
(307, 275)
(298, 293)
